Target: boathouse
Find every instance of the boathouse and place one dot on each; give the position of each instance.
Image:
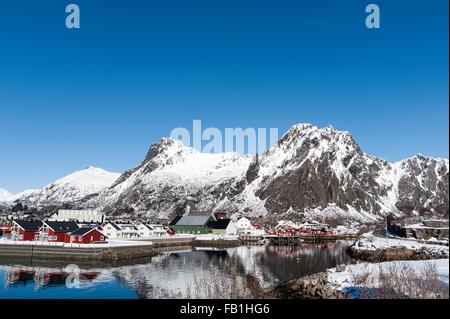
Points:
(85, 236)
(26, 229)
(55, 231)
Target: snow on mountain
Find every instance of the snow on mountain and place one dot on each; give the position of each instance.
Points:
(171, 174)
(70, 188)
(5, 196)
(318, 173)
(324, 173)
(422, 184)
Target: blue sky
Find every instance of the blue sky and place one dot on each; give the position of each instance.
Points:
(137, 69)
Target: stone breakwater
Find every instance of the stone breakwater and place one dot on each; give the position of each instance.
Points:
(314, 286)
(96, 252)
(76, 254)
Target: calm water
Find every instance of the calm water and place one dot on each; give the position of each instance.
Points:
(167, 275)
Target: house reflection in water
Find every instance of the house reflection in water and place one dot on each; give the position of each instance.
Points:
(43, 277)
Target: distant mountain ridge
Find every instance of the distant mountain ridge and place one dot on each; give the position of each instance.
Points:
(311, 171)
(5, 195)
(70, 188)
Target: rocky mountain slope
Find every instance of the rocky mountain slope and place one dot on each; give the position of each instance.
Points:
(315, 172)
(171, 175)
(323, 172)
(71, 188)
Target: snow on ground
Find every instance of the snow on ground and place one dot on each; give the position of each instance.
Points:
(344, 279)
(216, 237)
(371, 242)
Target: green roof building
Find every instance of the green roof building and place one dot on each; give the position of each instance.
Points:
(196, 224)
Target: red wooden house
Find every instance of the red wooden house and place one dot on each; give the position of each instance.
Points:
(55, 231)
(85, 235)
(26, 229)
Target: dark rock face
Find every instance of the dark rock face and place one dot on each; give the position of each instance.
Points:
(424, 186)
(313, 168)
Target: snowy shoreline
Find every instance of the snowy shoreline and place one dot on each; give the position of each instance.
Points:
(372, 248)
(343, 278)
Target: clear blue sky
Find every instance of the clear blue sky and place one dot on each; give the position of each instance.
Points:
(137, 69)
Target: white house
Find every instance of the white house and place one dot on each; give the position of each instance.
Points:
(120, 230)
(111, 230)
(151, 230)
(231, 228)
(245, 227)
(244, 224)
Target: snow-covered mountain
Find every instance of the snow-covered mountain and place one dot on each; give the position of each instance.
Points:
(5, 196)
(324, 173)
(310, 171)
(170, 175)
(70, 188)
(321, 173)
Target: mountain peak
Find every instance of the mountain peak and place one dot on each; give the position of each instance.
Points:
(166, 145)
(72, 187)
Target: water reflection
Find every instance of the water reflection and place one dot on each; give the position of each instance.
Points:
(169, 274)
(42, 278)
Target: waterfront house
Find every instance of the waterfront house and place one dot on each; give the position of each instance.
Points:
(85, 236)
(151, 230)
(55, 231)
(111, 230)
(194, 223)
(120, 230)
(127, 230)
(26, 229)
(244, 224)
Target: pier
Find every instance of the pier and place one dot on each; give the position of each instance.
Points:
(110, 251)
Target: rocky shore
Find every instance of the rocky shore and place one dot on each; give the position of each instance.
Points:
(316, 286)
(396, 253)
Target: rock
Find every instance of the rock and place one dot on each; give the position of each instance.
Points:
(340, 268)
(309, 287)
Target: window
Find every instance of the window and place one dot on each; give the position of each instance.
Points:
(102, 238)
(72, 238)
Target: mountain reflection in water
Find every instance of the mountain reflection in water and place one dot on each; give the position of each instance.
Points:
(169, 274)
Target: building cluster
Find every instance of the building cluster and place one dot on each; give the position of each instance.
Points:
(87, 226)
(55, 231)
(292, 229)
(217, 223)
(80, 227)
